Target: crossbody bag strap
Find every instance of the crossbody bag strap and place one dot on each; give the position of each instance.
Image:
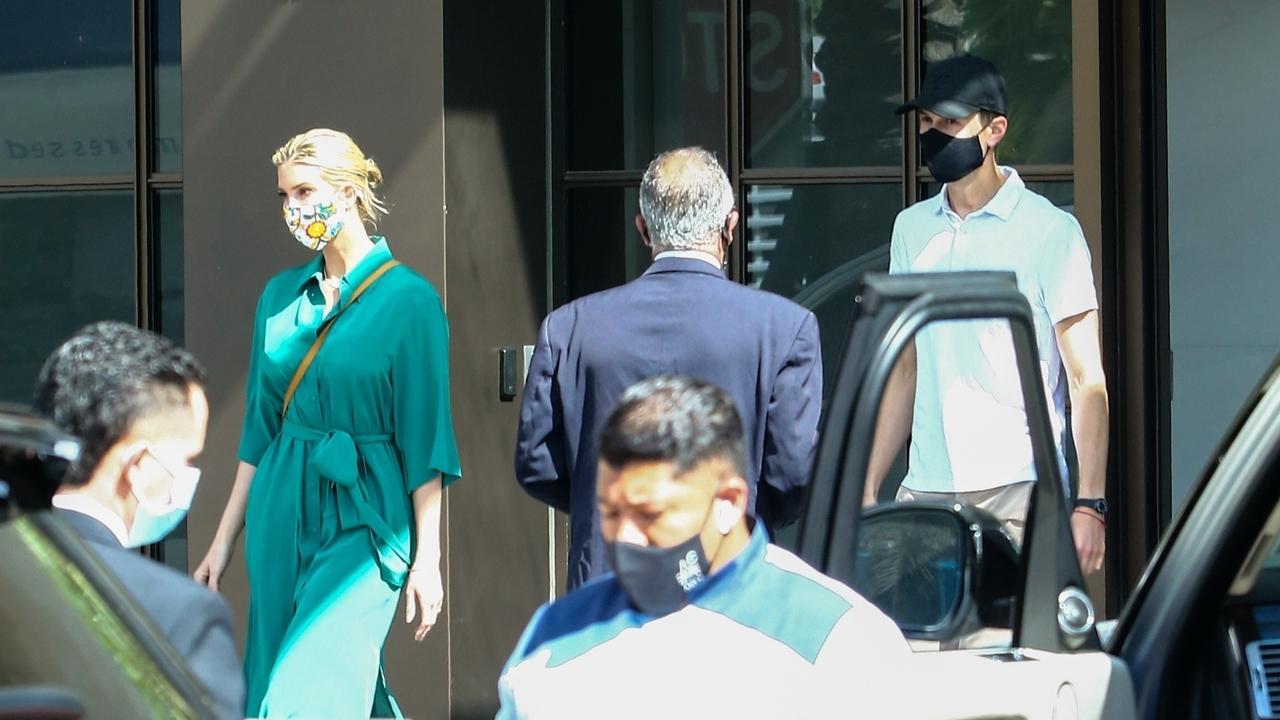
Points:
(324, 333)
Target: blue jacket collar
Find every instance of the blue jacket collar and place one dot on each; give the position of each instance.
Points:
(734, 574)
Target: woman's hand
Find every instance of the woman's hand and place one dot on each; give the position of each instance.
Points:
(423, 596)
(215, 562)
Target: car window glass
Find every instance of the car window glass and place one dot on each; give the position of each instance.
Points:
(59, 631)
(968, 438)
(1272, 564)
(1269, 550)
(967, 444)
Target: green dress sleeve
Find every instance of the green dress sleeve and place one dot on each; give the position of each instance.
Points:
(261, 416)
(423, 418)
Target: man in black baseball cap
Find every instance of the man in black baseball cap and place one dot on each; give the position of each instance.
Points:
(959, 87)
(958, 397)
(962, 118)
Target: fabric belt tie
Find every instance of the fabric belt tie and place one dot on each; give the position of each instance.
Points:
(337, 460)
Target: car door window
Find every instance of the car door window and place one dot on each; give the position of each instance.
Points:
(952, 572)
(968, 447)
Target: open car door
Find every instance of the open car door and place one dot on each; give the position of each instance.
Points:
(946, 573)
(1201, 632)
(73, 642)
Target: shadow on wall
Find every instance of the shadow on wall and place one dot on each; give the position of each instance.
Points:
(496, 193)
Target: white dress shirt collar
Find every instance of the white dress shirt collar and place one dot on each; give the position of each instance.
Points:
(705, 257)
(85, 504)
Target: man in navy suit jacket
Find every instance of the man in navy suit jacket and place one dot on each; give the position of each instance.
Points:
(682, 317)
(194, 619)
(137, 403)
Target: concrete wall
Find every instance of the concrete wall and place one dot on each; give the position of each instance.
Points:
(1223, 251)
(501, 549)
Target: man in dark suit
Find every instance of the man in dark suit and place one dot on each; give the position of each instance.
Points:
(683, 316)
(137, 403)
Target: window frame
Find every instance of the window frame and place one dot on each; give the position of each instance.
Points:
(144, 183)
(1103, 181)
(910, 175)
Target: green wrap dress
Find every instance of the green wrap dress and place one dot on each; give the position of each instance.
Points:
(329, 525)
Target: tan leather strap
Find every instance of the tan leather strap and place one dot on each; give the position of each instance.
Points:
(324, 333)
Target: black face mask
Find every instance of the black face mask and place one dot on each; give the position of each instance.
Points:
(658, 580)
(950, 158)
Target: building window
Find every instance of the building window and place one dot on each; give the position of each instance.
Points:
(797, 98)
(90, 178)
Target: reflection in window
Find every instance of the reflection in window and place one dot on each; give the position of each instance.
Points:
(643, 76)
(168, 294)
(169, 284)
(813, 243)
(69, 261)
(1060, 193)
(604, 247)
(166, 38)
(1030, 43)
(822, 81)
(66, 89)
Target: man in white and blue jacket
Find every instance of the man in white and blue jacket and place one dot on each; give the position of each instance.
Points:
(701, 616)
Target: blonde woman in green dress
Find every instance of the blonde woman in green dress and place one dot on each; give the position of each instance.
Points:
(339, 494)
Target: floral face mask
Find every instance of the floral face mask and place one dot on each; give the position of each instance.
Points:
(314, 225)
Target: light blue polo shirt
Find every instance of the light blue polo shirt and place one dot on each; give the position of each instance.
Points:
(969, 428)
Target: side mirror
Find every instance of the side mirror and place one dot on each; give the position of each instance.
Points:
(34, 456)
(940, 571)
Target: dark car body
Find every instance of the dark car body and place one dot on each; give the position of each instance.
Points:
(1200, 635)
(74, 643)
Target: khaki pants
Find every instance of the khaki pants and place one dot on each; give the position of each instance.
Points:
(1008, 503)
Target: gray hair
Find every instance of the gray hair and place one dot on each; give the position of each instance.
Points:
(684, 198)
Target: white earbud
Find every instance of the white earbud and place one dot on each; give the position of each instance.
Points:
(726, 516)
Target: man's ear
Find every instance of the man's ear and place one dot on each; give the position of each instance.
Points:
(998, 127)
(128, 458)
(730, 503)
(643, 229)
(730, 224)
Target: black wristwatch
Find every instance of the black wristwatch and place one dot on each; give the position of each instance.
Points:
(1098, 505)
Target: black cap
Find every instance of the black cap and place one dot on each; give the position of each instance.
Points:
(959, 87)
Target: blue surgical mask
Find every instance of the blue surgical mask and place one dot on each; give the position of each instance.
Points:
(153, 521)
